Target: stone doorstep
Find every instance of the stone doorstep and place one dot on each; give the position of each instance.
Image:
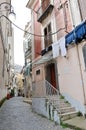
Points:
(76, 122)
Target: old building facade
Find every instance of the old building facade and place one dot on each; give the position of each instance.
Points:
(6, 41)
(53, 20)
(27, 70)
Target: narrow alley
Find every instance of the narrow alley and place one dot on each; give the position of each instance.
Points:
(17, 115)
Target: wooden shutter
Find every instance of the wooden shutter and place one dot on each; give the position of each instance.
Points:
(47, 35)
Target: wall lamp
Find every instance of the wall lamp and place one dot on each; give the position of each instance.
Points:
(12, 15)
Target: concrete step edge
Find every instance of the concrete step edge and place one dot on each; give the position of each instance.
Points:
(65, 108)
(68, 113)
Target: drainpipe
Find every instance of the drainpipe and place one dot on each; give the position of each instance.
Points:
(83, 86)
(80, 10)
(73, 17)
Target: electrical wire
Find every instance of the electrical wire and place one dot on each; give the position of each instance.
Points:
(37, 35)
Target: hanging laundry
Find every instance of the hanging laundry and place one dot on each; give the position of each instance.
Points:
(62, 46)
(55, 49)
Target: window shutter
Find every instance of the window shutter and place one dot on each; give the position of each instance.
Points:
(48, 37)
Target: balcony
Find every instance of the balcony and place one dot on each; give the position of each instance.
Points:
(45, 9)
(28, 53)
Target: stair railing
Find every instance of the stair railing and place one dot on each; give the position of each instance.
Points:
(52, 91)
(44, 89)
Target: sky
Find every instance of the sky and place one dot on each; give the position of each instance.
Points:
(22, 17)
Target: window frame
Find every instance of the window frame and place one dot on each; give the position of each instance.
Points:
(47, 30)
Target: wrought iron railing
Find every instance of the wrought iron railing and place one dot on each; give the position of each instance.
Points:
(44, 89)
(50, 92)
(44, 6)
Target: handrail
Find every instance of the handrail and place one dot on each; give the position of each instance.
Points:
(44, 89)
(51, 90)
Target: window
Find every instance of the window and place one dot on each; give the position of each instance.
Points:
(47, 36)
(84, 54)
(37, 72)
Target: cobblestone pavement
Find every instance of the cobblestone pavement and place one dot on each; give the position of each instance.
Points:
(17, 115)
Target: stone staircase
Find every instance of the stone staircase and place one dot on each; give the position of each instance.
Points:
(64, 109)
(57, 106)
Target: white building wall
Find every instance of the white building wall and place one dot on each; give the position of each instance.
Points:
(4, 56)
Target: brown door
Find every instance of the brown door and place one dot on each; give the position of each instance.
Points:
(53, 77)
(50, 74)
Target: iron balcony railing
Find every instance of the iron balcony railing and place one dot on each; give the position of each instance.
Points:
(45, 8)
(28, 53)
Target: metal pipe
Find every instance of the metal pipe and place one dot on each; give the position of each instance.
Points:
(80, 9)
(81, 75)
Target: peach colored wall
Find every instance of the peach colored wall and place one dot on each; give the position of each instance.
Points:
(38, 82)
(40, 76)
(62, 17)
(37, 30)
(69, 75)
(83, 65)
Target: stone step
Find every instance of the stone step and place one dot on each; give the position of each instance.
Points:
(62, 105)
(68, 115)
(53, 97)
(64, 108)
(58, 100)
(67, 109)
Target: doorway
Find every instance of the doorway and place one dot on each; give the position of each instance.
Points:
(51, 76)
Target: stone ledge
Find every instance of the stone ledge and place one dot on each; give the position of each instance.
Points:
(27, 100)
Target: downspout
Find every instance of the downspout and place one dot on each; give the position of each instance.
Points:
(81, 76)
(3, 69)
(80, 10)
(72, 18)
(83, 86)
(74, 22)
